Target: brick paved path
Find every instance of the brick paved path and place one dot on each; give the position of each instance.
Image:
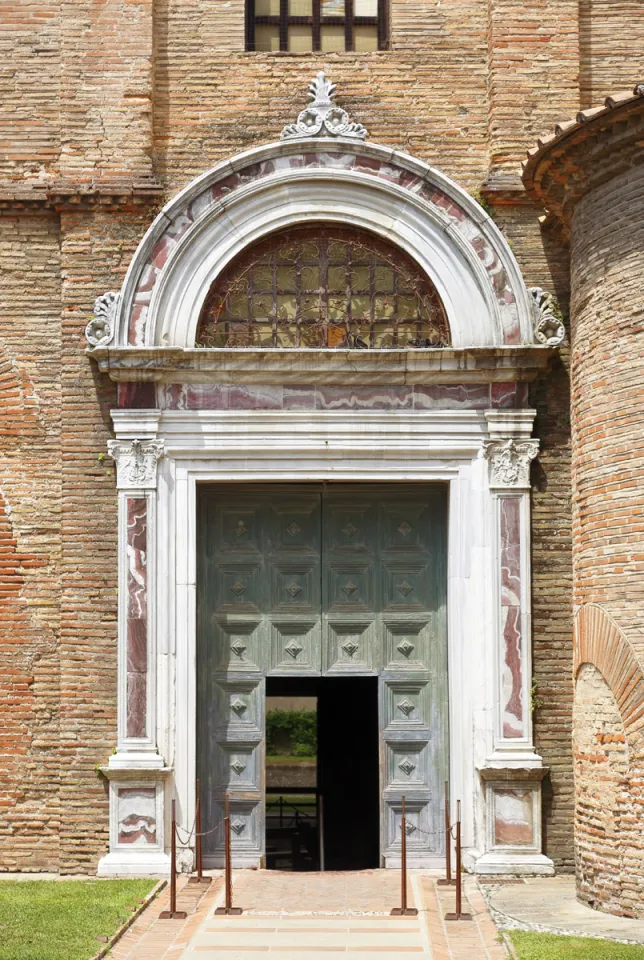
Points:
(301, 915)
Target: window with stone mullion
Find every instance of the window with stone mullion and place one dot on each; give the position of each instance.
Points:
(325, 25)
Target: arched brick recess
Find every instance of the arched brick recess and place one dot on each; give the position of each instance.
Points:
(608, 744)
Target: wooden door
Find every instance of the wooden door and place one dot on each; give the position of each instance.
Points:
(258, 613)
(335, 579)
(384, 588)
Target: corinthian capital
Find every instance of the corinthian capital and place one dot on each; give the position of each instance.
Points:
(136, 462)
(509, 461)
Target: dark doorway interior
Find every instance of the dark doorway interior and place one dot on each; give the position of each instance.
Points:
(338, 827)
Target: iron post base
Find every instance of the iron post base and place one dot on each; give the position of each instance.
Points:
(446, 883)
(228, 911)
(173, 915)
(202, 880)
(458, 916)
(408, 912)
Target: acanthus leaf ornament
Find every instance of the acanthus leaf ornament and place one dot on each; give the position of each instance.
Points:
(136, 462)
(322, 117)
(548, 327)
(100, 330)
(509, 461)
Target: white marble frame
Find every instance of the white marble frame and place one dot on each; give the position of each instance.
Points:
(292, 446)
(297, 195)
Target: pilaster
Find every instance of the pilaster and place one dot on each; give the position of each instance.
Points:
(136, 771)
(512, 774)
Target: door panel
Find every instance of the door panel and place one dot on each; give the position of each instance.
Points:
(334, 579)
(349, 583)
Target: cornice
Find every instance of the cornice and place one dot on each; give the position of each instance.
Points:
(441, 365)
(60, 195)
(582, 154)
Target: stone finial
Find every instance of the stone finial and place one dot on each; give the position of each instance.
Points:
(100, 330)
(548, 328)
(322, 118)
(509, 461)
(136, 462)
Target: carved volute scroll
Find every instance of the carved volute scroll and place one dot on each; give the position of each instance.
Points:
(322, 117)
(100, 330)
(548, 327)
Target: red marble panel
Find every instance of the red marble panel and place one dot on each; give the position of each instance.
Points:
(465, 396)
(137, 646)
(137, 815)
(137, 615)
(299, 398)
(513, 817)
(136, 557)
(366, 398)
(504, 395)
(136, 704)
(510, 573)
(510, 517)
(139, 396)
(512, 673)
(241, 397)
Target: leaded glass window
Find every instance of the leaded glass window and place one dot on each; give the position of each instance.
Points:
(323, 286)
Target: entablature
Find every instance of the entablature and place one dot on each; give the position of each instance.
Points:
(498, 364)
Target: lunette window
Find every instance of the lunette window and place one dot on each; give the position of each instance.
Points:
(324, 286)
(331, 26)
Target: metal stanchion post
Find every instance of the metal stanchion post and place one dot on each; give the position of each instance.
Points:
(228, 909)
(173, 913)
(200, 877)
(447, 882)
(403, 910)
(321, 829)
(459, 915)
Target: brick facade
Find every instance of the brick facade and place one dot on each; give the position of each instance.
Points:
(599, 201)
(105, 112)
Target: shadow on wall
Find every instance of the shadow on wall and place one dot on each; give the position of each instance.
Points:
(609, 762)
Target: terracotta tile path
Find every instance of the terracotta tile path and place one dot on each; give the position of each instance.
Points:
(302, 915)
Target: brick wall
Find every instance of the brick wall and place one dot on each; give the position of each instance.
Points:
(533, 75)
(608, 513)
(611, 40)
(601, 766)
(30, 548)
(609, 766)
(96, 248)
(29, 87)
(607, 256)
(544, 262)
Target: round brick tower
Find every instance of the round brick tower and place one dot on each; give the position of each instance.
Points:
(590, 177)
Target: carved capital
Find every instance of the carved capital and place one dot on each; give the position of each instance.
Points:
(136, 462)
(548, 327)
(322, 117)
(509, 461)
(99, 332)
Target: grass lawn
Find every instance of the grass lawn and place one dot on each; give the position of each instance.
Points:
(549, 946)
(61, 919)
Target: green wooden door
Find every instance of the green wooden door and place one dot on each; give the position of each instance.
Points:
(384, 561)
(310, 580)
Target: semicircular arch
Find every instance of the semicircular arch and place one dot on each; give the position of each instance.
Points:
(393, 196)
